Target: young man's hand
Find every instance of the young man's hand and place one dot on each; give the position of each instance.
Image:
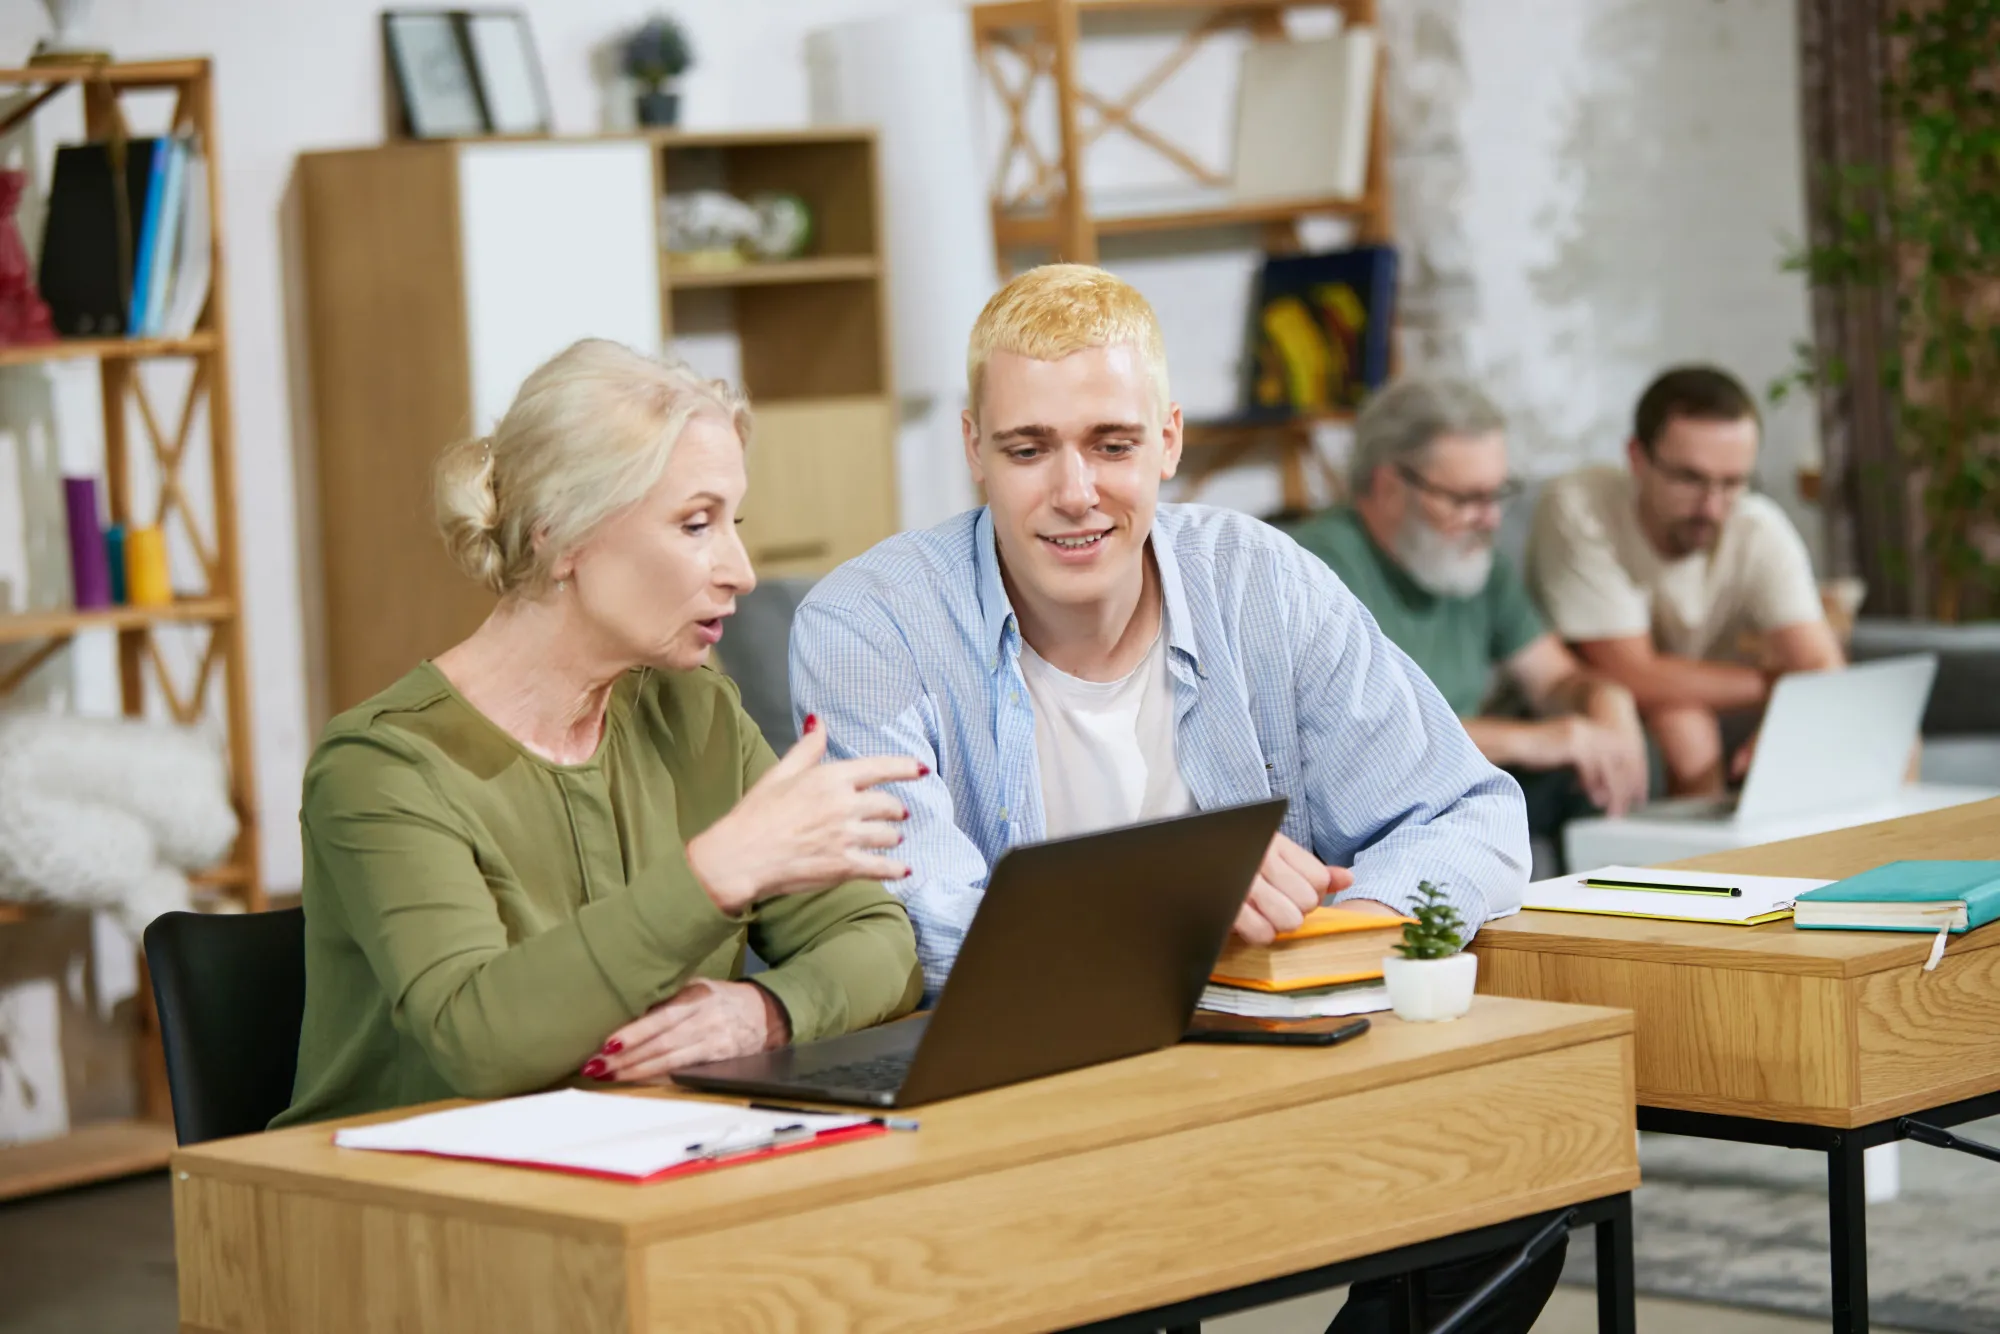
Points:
(1290, 884)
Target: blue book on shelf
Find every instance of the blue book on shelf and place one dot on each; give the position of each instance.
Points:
(165, 240)
(1906, 896)
(146, 240)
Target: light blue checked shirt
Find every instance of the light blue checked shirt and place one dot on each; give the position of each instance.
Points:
(1282, 685)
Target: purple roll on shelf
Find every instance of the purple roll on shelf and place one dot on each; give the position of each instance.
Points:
(89, 568)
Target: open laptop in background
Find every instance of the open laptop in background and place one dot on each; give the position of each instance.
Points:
(1833, 740)
(1083, 950)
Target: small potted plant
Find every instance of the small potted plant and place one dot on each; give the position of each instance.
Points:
(655, 54)
(1429, 977)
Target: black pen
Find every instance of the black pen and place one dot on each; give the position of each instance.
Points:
(1719, 891)
(783, 1109)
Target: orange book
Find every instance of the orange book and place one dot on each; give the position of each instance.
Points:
(1331, 946)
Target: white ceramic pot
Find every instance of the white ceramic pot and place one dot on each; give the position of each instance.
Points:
(1426, 990)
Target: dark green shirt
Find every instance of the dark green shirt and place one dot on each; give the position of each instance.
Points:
(479, 919)
(1458, 642)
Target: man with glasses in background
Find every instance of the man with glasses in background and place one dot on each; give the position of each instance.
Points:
(1659, 572)
(1429, 480)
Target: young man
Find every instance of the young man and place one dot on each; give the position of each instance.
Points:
(1075, 655)
(1657, 573)
(1429, 480)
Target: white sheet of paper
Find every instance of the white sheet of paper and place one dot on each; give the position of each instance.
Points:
(1761, 894)
(597, 1132)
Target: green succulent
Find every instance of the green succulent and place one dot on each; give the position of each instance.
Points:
(1438, 933)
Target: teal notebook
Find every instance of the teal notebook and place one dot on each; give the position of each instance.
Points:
(1906, 896)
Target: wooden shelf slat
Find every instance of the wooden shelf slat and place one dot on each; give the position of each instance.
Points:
(64, 349)
(90, 1153)
(1040, 228)
(1213, 6)
(1004, 14)
(133, 74)
(792, 134)
(34, 625)
(824, 269)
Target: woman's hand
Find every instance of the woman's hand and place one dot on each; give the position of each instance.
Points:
(703, 1021)
(805, 826)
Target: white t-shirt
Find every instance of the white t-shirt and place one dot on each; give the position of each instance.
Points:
(1598, 576)
(1105, 748)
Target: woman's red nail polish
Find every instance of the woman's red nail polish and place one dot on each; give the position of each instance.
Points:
(596, 1069)
(906, 873)
(812, 721)
(613, 1047)
(923, 771)
(906, 812)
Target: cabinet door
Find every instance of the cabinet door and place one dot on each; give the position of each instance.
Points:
(822, 483)
(558, 243)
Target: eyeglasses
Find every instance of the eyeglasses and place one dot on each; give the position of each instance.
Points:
(1696, 483)
(1462, 500)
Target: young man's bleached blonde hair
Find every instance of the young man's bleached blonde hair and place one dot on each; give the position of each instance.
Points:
(1049, 312)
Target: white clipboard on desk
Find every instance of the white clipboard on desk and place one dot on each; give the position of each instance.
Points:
(1675, 896)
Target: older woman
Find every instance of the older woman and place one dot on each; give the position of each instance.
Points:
(541, 854)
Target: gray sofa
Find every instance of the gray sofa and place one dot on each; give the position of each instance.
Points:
(1962, 722)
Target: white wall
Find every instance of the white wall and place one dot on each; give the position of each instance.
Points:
(1611, 175)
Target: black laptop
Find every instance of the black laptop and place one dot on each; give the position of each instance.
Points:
(1083, 950)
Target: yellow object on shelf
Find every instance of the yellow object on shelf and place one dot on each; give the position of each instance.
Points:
(146, 582)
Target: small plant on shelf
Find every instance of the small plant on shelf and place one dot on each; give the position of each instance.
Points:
(1438, 932)
(654, 55)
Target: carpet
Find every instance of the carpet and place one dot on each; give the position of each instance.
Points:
(1746, 1225)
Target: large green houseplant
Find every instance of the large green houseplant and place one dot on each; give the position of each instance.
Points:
(1925, 229)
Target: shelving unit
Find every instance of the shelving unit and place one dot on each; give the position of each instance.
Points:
(1053, 215)
(438, 275)
(104, 1149)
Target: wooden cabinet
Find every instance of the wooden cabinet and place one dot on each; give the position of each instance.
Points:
(438, 275)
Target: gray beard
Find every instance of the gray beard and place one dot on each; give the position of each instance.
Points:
(1441, 566)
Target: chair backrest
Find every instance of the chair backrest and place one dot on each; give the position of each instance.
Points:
(231, 991)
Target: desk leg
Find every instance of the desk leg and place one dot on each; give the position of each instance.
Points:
(1847, 1216)
(1617, 1299)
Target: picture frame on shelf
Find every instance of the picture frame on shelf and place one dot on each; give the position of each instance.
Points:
(431, 66)
(508, 71)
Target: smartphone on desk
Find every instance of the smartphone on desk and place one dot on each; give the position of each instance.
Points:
(1209, 1026)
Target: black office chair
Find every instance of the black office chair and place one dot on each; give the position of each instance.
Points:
(231, 991)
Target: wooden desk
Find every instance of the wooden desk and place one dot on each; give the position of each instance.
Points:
(1809, 1039)
(1170, 1185)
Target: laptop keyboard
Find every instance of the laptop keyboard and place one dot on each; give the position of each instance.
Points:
(880, 1074)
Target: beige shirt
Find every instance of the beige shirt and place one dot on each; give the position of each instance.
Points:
(1598, 576)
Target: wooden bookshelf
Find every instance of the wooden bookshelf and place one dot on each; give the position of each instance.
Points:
(1055, 217)
(395, 301)
(136, 426)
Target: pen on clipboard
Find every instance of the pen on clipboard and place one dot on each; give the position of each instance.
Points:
(888, 1122)
(726, 1147)
(1653, 887)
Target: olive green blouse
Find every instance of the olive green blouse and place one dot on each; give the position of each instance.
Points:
(479, 920)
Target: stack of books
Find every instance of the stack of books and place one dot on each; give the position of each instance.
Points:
(126, 251)
(1331, 965)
